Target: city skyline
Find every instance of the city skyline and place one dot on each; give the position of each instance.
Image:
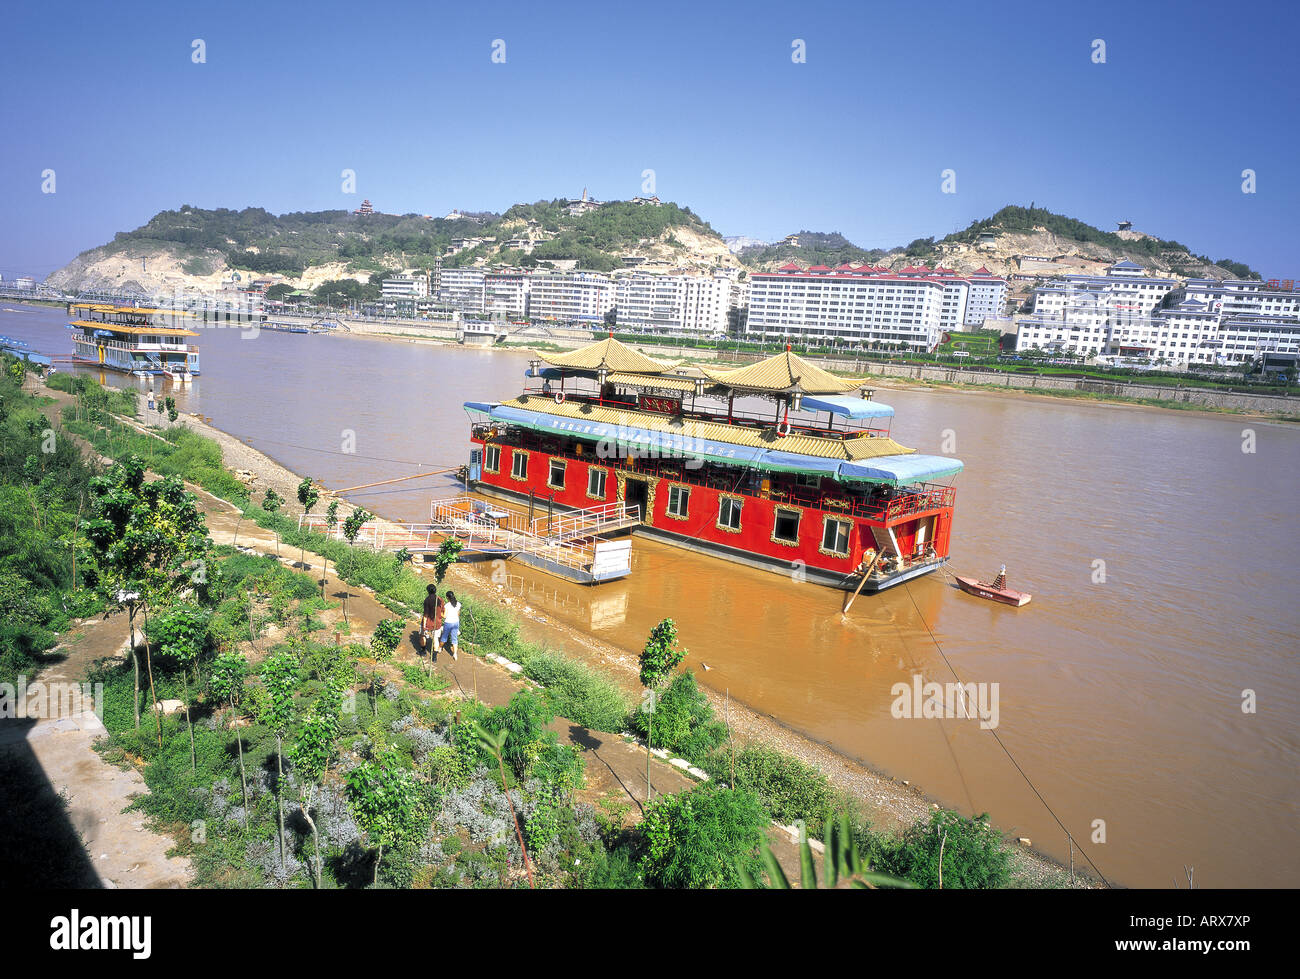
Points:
(854, 139)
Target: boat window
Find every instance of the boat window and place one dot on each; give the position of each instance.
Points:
(729, 513)
(518, 463)
(492, 459)
(786, 527)
(678, 500)
(596, 483)
(835, 536)
(808, 480)
(555, 478)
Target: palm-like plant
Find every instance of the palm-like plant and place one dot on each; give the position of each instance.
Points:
(842, 865)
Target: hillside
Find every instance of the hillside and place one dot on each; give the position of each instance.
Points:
(192, 248)
(197, 249)
(1072, 245)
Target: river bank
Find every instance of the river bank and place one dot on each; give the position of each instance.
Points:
(889, 376)
(890, 803)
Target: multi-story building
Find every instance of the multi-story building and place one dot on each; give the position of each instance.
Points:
(987, 298)
(506, 292)
(583, 297)
(463, 288)
(676, 303)
(415, 286)
(866, 304)
(1214, 322)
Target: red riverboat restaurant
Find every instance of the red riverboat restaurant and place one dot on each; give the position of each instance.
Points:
(780, 465)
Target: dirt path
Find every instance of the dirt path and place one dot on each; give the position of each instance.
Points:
(121, 850)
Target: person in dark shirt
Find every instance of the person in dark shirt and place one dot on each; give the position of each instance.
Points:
(432, 624)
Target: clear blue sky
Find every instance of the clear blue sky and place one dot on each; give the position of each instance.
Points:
(706, 95)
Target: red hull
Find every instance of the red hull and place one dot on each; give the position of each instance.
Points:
(756, 535)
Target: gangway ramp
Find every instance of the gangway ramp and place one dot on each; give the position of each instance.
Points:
(574, 548)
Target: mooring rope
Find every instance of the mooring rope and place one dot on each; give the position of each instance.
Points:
(1002, 745)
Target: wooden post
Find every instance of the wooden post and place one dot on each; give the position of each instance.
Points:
(865, 574)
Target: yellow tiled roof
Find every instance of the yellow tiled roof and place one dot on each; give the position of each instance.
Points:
(168, 331)
(853, 449)
(610, 355)
(784, 372)
(666, 381)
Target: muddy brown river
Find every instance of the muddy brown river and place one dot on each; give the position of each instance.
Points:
(1160, 555)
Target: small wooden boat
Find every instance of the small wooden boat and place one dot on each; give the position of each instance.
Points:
(997, 591)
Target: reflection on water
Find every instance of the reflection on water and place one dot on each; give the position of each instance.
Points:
(1159, 554)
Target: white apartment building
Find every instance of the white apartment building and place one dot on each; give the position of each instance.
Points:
(507, 292)
(415, 286)
(463, 289)
(1125, 287)
(676, 303)
(570, 297)
(987, 298)
(1247, 297)
(1223, 323)
(915, 305)
(860, 305)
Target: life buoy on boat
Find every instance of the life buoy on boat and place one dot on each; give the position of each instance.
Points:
(783, 428)
(559, 397)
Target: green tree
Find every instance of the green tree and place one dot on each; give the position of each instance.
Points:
(149, 541)
(312, 753)
(659, 658)
(280, 678)
(307, 496)
(386, 801)
(448, 551)
(271, 501)
(226, 681)
(351, 527)
(707, 837)
(331, 521)
(181, 632)
(493, 742)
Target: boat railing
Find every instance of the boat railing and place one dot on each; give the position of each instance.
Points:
(586, 522)
(741, 418)
(151, 347)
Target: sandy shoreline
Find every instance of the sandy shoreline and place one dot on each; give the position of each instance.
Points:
(888, 802)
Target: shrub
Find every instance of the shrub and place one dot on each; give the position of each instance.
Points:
(788, 788)
(703, 838)
(973, 854)
(683, 720)
(578, 692)
(523, 720)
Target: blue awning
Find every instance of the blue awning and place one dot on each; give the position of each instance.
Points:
(845, 404)
(625, 436)
(895, 470)
(797, 462)
(901, 469)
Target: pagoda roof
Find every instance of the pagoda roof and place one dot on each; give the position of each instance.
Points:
(608, 355)
(784, 373)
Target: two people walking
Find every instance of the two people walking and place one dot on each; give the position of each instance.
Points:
(441, 621)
